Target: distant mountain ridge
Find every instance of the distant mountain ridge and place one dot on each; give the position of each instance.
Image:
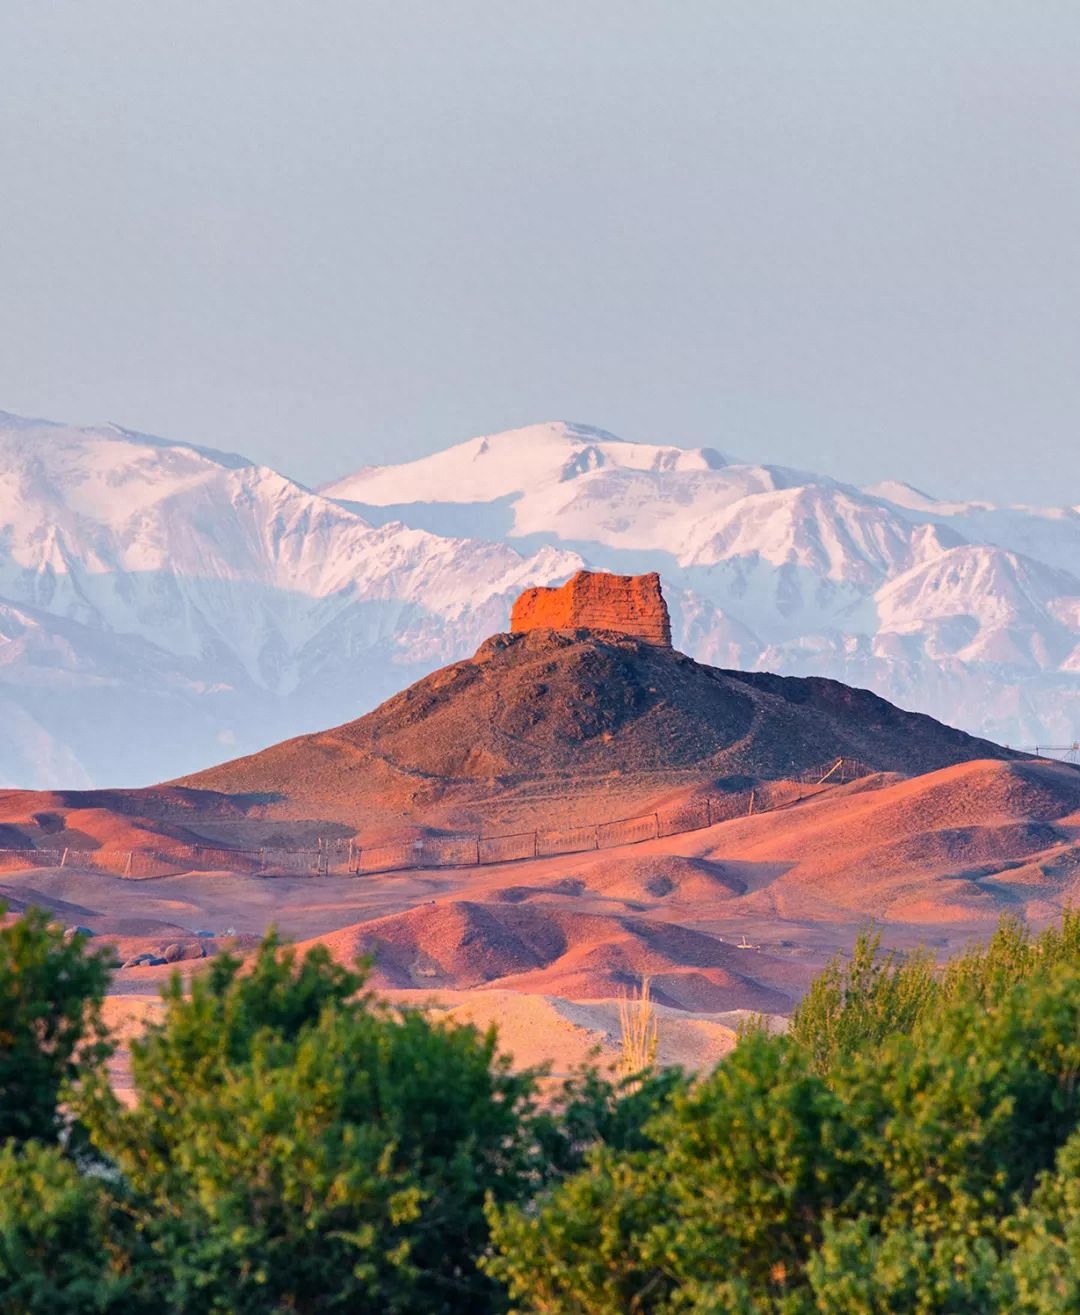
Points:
(963, 610)
(164, 605)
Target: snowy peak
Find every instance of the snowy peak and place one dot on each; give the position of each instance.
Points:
(573, 484)
(826, 529)
(495, 466)
(983, 604)
(76, 446)
(597, 493)
(913, 499)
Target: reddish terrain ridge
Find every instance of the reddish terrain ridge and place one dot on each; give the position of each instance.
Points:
(555, 727)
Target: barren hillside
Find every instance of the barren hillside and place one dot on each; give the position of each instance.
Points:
(558, 724)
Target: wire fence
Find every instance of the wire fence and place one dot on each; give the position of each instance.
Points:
(1067, 753)
(331, 857)
(172, 860)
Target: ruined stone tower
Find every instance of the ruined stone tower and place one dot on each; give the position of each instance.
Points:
(595, 600)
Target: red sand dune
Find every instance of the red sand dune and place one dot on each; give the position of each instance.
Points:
(111, 819)
(959, 846)
(555, 951)
(948, 841)
(739, 916)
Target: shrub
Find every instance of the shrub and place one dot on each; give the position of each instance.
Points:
(741, 1171)
(912, 1146)
(853, 1006)
(51, 991)
(59, 1249)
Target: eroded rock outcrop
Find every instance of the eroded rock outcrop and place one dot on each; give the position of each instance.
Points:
(595, 600)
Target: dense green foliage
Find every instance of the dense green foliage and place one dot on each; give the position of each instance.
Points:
(294, 1146)
(61, 1249)
(51, 989)
(911, 1146)
(853, 1006)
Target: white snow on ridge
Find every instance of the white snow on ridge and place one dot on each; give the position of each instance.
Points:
(494, 465)
(270, 608)
(163, 605)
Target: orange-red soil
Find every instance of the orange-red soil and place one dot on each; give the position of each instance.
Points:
(739, 916)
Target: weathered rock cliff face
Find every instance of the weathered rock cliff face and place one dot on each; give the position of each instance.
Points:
(596, 600)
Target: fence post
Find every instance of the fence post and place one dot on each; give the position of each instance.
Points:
(750, 812)
(536, 844)
(708, 810)
(657, 816)
(477, 851)
(63, 856)
(596, 831)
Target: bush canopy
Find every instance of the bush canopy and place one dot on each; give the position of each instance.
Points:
(911, 1145)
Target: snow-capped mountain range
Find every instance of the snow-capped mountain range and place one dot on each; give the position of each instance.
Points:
(163, 605)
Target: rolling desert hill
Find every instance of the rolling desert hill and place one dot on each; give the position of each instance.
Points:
(738, 916)
(552, 726)
(933, 859)
(559, 951)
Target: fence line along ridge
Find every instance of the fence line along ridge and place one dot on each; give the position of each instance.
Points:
(346, 857)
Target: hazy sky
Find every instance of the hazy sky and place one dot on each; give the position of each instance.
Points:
(839, 235)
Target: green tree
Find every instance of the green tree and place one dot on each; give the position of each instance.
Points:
(859, 1271)
(1044, 1267)
(965, 1115)
(591, 1110)
(741, 1171)
(59, 1249)
(295, 1146)
(814, 1173)
(985, 974)
(853, 1005)
(51, 1033)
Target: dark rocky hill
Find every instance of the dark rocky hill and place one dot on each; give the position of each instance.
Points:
(552, 719)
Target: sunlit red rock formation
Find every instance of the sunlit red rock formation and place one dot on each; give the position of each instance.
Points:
(595, 600)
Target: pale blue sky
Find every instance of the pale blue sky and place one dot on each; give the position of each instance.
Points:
(838, 235)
